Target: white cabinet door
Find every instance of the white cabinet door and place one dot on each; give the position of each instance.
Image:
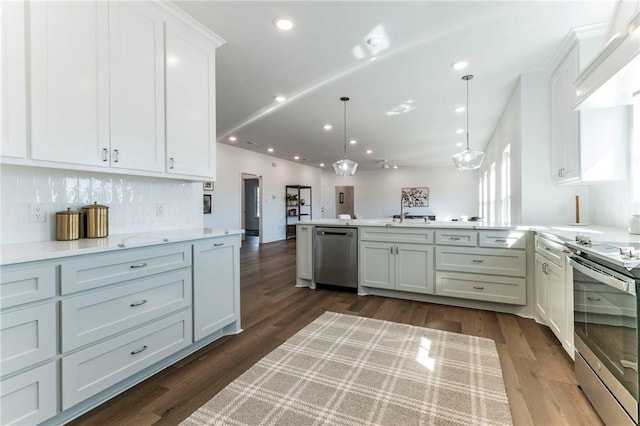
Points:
(190, 102)
(542, 288)
(69, 55)
(377, 265)
(216, 284)
(414, 268)
(304, 251)
(13, 112)
(557, 301)
(30, 397)
(136, 86)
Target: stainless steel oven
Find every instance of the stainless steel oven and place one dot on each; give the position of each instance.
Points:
(606, 336)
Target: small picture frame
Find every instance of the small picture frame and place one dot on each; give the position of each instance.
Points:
(207, 186)
(206, 204)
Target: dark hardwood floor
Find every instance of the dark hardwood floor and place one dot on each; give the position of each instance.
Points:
(538, 374)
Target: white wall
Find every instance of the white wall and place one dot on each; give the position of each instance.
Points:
(132, 201)
(526, 125)
(377, 193)
(227, 203)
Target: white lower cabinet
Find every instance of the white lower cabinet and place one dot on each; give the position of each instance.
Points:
(554, 303)
(30, 397)
(91, 370)
(490, 288)
(304, 252)
(216, 285)
(400, 266)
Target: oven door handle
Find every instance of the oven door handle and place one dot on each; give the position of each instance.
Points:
(597, 273)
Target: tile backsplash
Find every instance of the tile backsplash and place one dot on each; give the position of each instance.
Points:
(132, 200)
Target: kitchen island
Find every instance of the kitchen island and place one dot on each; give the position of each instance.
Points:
(84, 320)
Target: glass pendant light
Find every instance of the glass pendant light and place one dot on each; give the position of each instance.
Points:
(468, 159)
(345, 167)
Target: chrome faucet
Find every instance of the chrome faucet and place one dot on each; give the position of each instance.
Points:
(402, 212)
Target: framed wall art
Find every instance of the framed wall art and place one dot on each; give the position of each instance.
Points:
(415, 197)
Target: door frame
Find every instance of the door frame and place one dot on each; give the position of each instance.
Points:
(244, 176)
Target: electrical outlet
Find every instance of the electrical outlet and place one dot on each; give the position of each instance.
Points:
(161, 210)
(37, 213)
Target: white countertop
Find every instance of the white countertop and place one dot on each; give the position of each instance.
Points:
(27, 252)
(563, 232)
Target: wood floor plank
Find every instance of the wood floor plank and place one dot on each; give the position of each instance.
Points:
(538, 375)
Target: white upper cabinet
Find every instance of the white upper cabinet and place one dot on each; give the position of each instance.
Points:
(13, 124)
(589, 145)
(190, 100)
(70, 82)
(136, 86)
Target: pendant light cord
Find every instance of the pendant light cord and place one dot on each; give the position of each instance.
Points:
(467, 78)
(344, 100)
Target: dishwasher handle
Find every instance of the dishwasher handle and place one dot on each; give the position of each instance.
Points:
(334, 233)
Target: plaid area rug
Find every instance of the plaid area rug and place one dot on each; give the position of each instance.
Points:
(349, 370)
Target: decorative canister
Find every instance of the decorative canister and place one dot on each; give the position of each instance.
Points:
(634, 224)
(96, 220)
(67, 225)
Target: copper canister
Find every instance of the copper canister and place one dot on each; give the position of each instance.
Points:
(96, 220)
(67, 225)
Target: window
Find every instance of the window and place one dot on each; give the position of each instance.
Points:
(506, 184)
(492, 193)
(485, 195)
(480, 197)
(257, 195)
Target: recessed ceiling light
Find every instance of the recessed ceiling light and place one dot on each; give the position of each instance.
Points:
(459, 144)
(460, 65)
(395, 167)
(270, 149)
(279, 98)
(233, 138)
(353, 141)
(327, 126)
(459, 109)
(459, 131)
(296, 157)
(369, 151)
(321, 164)
(283, 24)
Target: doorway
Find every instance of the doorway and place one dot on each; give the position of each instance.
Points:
(344, 201)
(252, 207)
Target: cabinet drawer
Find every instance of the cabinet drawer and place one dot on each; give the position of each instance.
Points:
(99, 314)
(93, 271)
(30, 397)
(482, 287)
(503, 239)
(452, 237)
(552, 250)
(396, 234)
(482, 260)
(94, 369)
(27, 336)
(19, 285)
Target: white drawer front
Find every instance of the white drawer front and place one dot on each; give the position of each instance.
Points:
(483, 261)
(396, 234)
(19, 285)
(97, 270)
(30, 397)
(27, 336)
(99, 314)
(453, 237)
(503, 239)
(552, 250)
(87, 372)
(482, 287)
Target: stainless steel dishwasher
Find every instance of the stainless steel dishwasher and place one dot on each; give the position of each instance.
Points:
(335, 258)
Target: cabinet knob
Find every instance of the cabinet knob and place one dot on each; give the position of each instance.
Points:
(454, 238)
(477, 287)
(218, 244)
(138, 303)
(105, 154)
(116, 156)
(137, 351)
(500, 241)
(139, 265)
(477, 260)
(171, 163)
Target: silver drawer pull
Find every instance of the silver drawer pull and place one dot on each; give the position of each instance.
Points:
(218, 244)
(477, 260)
(139, 265)
(593, 299)
(547, 249)
(138, 303)
(137, 351)
(477, 287)
(454, 238)
(501, 241)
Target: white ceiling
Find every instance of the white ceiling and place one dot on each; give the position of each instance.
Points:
(314, 64)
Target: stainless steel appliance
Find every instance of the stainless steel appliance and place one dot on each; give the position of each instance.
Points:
(606, 283)
(335, 256)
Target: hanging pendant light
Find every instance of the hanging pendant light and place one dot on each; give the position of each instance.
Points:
(468, 159)
(345, 167)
